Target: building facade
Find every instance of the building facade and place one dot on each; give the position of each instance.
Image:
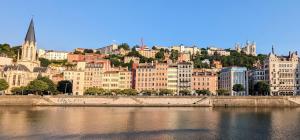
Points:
(217, 51)
(185, 70)
(205, 79)
(230, 76)
(54, 55)
(249, 48)
(282, 73)
(27, 68)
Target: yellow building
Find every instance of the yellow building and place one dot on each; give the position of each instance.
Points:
(116, 79)
(148, 53)
(84, 76)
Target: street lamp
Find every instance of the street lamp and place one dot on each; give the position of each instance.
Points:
(66, 87)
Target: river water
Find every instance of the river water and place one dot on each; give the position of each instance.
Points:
(149, 123)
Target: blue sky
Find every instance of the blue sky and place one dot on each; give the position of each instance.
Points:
(67, 24)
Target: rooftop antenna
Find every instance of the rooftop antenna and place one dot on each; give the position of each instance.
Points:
(273, 49)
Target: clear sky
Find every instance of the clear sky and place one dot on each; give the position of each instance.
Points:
(67, 24)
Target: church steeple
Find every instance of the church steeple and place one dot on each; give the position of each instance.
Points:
(30, 36)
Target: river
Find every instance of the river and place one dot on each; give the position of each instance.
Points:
(132, 123)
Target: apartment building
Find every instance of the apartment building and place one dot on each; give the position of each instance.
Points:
(88, 57)
(185, 75)
(172, 73)
(117, 79)
(161, 76)
(145, 77)
(205, 79)
(148, 53)
(84, 76)
(230, 76)
(282, 73)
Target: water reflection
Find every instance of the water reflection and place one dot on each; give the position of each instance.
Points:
(148, 123)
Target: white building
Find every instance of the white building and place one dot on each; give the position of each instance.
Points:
(282, 73)
(54, 55)
(218, 51)
(230, 76)
(183, 49)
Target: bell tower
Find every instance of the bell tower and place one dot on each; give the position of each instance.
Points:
(29, 50)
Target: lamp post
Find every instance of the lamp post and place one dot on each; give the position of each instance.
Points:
(66, 87)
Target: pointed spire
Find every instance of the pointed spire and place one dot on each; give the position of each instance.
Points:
(30, 36)
(273, 52)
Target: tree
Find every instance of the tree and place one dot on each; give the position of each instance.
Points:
(203, 92)
(174, 55)
(223, 92)
(94, 91)
(88, 51)
(185, 92)
(165, 92)
(125, 46)
(262, 88)
(149, 92)
(50, 83)
(44, 62)
(129, 92)
(154, 48)
(160, 55)
(238, 88)
(19, 90)
(3, 85)
(64, 86)
(37, 86)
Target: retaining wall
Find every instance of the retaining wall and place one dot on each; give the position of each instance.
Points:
(214, 101)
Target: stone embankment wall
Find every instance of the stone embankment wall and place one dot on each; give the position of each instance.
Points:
(201, 101)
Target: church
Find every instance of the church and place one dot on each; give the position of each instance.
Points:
(27, 68)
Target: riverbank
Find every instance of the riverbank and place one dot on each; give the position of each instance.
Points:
(141, 101)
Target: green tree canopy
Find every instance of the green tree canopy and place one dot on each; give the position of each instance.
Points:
(3, 85)
(149, 92)
(185, 92)
(238, 88)
(174, 55)
(223, 92)
(203, 92)
(125, 46)
(38, 86)
(64, 86)
(262, 88)
(160, 55)
(165, 92)
(94, 91)
(129, 92)
(88, 51)
(51, 86)
(44, 62)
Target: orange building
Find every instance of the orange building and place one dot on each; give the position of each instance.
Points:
(88, 57)
(145, 77)
(205, 79)
(161, 77)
